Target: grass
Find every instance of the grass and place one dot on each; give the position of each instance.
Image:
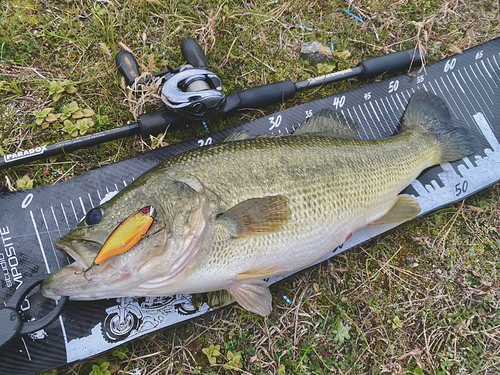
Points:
(423, 299)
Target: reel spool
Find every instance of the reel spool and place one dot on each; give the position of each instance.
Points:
(194, 93)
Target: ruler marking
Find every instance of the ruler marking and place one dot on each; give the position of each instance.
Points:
(392, 110)
(99, 195)
(435, 185)
(26, 347)
(468, 163)
(74, 211)
(484, 89)
(50, 239)
(480, 71)
(395, 104)
(403, 95)
(55, 220)
(444, 97)
(40, 242)
(116, 186)
(474, 96)
(488, 72)
(432, 88)
(419, 188)
(498, 66)
(57, 224)
(63, 329)
(486, 69)
(454, 101)
(467, 96)
(359, 120)
(349, 118)
(493, 69)
(366, 121)
(83, 207)
(460, 97)
(458, 83)
(125, 184)
(90, 199)
(373, 121)
(375, 112)
(382, 114)
(65, 217)
(401, 103)
(487, 131)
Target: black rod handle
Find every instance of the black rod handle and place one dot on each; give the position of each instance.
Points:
(392, 63)
(261, 96)
(127, 66)
(193, 53)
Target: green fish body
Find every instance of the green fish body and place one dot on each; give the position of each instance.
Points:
(231, 214)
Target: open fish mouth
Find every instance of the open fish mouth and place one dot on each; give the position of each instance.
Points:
(82, 252)
(71, 280)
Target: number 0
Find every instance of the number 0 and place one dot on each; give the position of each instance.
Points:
(27, 200)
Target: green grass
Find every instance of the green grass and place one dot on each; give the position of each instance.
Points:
(423, 299)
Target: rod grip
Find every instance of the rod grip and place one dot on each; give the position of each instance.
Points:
(262, 96)
(193, 53)
(157, 122)
(393, 63)
(127, 66)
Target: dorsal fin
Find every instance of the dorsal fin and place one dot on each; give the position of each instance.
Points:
(243, 135)
(329, 123)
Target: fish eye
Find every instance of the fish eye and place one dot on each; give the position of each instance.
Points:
(145, 210)
(94, 216)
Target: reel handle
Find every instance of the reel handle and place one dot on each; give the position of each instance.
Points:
(193, 53)
(127, 66)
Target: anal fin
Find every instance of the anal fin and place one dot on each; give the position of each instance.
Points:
(406, 208)
(263, 273)
(253, 296)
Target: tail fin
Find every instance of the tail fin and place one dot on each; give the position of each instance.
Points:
(431, 113)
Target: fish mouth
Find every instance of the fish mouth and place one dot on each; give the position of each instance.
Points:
(82, 252)
(70, 280)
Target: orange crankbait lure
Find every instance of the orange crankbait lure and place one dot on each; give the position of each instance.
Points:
(126, 235)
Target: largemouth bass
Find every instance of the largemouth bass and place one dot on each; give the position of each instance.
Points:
(231, 214)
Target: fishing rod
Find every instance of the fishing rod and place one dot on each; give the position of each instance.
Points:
(191, 92)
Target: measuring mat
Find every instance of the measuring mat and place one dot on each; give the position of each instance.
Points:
(30, 221)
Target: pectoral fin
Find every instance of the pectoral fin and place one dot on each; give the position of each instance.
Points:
(257, 216)
(406, 208)
(253, 296)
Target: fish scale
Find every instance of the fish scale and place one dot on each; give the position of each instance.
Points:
(230, 225)
(333, 199)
